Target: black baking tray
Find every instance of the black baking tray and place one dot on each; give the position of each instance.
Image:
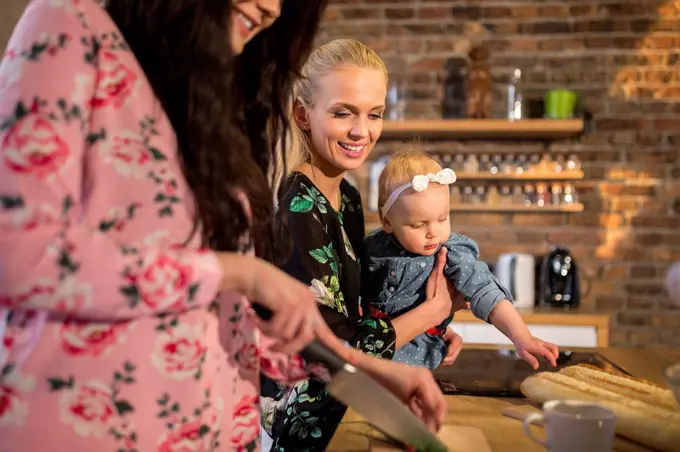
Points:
(499, 373)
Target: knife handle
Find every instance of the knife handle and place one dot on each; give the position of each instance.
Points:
(314, 352)
(262, 312)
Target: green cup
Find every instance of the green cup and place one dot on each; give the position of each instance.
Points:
(559, 104)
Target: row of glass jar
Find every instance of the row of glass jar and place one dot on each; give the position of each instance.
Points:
(539, 194)
(509, 164)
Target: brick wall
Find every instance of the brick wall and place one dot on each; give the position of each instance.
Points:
(623, 57)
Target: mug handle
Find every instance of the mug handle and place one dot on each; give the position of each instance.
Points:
(530, 419)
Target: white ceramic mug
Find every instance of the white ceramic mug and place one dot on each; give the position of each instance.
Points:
(572, 426)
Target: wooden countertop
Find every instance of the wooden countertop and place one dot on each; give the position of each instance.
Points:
(502, 433)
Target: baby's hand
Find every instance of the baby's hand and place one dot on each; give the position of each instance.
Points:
(528, 348)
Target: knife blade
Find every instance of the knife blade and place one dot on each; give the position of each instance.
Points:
(376, 404)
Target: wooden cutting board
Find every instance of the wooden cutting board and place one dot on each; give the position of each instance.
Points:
(520, 413)
(457, 438)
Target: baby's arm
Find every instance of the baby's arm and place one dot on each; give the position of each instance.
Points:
(508, 321)
(472, 278)
(490, 301)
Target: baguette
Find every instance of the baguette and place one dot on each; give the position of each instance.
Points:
(635, 389)
(642, 409)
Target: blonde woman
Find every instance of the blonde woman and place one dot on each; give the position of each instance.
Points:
(337, 113)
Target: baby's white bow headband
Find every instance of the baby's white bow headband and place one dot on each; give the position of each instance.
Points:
(420, 183)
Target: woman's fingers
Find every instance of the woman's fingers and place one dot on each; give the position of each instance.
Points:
(304, 336)
(440, 263)
(433, 407)
(414, 406)
(294, 328)
(455, 345)
(436, 275)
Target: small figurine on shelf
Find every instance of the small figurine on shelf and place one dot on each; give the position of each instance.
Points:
(479, 84)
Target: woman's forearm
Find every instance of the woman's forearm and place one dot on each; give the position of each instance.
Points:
(352, 355)
(413, 323)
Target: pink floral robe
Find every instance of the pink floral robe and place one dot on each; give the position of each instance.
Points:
(113, 342)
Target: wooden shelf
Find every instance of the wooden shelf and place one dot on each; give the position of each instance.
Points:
(372, 217)
(569, 208)
(483, 129)
(564, 175)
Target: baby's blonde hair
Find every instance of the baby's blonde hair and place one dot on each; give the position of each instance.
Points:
(323, 60)
(401, 169)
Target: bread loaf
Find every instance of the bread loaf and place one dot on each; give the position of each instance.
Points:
(645, 412)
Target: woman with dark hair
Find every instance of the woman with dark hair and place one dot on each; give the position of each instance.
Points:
(136, 140)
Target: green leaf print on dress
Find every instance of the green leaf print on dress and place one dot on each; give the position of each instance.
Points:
(327, 292)
(345, 204)
(305, 202)
(372, 343)
(302, 423)
(326, 255)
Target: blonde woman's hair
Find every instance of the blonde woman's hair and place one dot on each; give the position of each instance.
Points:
(401, 169)
(322, 61)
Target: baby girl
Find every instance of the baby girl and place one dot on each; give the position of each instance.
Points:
(415, 204)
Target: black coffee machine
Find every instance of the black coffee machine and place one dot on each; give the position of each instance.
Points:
(558, 280)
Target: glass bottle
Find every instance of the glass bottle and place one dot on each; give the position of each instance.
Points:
(453, 103)
(569, 196)
(471, 165)
(480, 194)
(542, 195)
(458, 162)
(467, 194)
(514, 93)
(573, 163)
(484, 163)
(506, 195)
(446, 161)
(455, 195)
(556, 198)
(559, 163)
(529, 195)
(395, 103)
(492, 196)
(508, 165)
(521, 165)
(517, 195)
(534, 161)
(546, 164)
(496, 162)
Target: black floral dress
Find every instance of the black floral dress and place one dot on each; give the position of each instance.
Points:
(326, 246)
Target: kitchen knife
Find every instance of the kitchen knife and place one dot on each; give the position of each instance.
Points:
(376, 404)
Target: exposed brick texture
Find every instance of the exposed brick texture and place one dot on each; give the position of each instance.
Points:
(623, 57)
